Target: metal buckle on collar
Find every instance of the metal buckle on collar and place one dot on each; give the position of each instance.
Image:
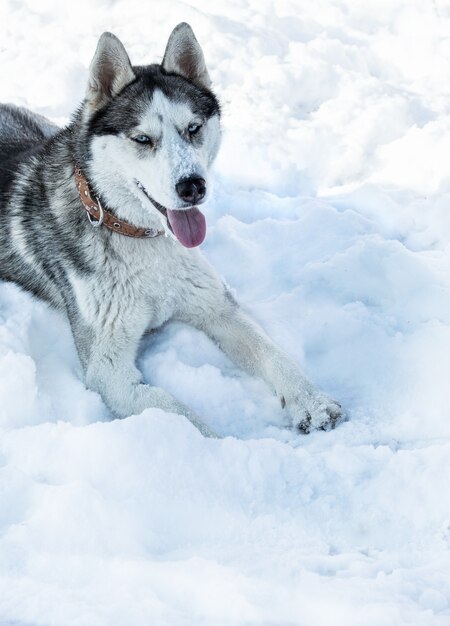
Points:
(96, 223)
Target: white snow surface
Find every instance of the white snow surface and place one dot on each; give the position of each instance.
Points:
(330, 221)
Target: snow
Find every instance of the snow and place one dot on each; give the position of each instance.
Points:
(330, 223)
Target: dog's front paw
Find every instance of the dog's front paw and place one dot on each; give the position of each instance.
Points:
(311, 410)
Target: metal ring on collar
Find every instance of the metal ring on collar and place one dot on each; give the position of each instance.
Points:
(96, 223)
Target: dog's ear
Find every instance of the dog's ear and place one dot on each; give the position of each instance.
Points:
(110, 71)
(184, 56)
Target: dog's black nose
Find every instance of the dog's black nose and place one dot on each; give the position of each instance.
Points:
(191, 189)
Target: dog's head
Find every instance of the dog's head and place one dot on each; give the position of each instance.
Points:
(154, 129)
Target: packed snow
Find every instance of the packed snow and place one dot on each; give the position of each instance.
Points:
(330, 222)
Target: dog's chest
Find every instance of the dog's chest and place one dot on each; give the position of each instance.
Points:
(143, 287)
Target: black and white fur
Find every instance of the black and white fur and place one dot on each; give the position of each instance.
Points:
(114, 288)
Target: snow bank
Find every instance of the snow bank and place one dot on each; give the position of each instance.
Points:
(330, 222)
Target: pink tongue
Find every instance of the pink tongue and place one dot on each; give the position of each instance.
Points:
(189, 226)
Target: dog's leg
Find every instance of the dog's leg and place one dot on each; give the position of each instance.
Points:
(108, 356)
(220, 317)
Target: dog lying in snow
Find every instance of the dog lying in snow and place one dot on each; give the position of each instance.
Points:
(101, 219)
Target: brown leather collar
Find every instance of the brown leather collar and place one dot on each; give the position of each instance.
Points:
(99, 216)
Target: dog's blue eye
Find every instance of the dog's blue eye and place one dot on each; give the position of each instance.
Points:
(194, 128)
(142, 139)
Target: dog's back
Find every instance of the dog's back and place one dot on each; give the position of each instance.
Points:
(20, 127)
(24, 206)
(21, 134)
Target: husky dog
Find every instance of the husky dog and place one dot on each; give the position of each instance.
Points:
(101, 220)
